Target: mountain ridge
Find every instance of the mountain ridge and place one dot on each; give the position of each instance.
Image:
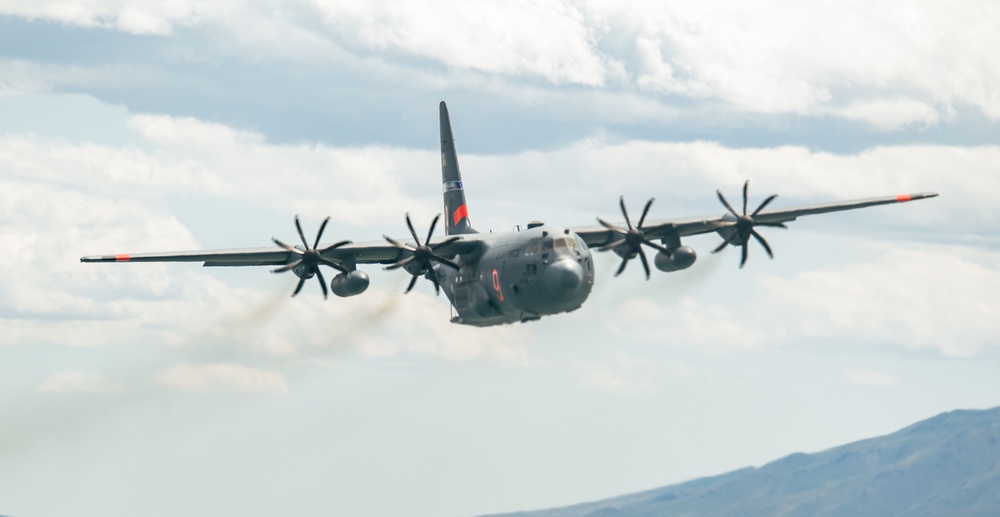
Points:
(948, 464)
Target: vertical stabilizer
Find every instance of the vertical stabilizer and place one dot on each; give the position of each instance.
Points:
(455, 210)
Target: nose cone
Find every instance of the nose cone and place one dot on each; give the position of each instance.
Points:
(563, 279)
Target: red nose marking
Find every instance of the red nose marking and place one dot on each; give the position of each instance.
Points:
(460, 213)
(903, 197)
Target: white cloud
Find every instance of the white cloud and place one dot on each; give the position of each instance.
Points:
(51, 213)
(222, 378)
(787, 56)
(361, 186)
(916, 297)
(78, 382)
(57, 203)
(134, 16)
(908, 297)
(869, 378)
(683, 177)
(891, 115)
(547, 39)
(688, 323)
(890, 65)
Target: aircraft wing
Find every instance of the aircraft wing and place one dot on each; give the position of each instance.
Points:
(374, 252)
(597, 235)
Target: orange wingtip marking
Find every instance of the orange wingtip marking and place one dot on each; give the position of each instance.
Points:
(903, 197)
(460, 213)
(122, 258)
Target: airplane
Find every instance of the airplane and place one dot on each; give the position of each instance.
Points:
(508, 277)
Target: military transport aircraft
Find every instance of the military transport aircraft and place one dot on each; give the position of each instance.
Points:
(518, 276)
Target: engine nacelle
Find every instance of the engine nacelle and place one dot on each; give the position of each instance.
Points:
(681, 258)
(302, 271)
(351, 283)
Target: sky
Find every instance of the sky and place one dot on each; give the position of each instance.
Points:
(163, 389)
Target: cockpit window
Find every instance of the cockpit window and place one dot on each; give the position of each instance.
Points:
(563, 242)
(538, 247)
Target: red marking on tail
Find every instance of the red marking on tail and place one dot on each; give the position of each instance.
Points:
(903, 198)
(122, 258)
(460, 213)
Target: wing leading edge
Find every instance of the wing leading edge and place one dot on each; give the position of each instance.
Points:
(597, 235)
(375, 252)
(380, 252)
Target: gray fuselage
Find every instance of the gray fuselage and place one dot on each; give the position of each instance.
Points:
(519, 276)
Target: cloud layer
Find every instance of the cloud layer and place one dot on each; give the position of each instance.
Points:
(894, 67)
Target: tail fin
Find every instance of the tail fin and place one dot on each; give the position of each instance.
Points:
(455, 209)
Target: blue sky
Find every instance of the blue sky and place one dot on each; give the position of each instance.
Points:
(160, 389)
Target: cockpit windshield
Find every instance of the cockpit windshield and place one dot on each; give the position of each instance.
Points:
(564, 242)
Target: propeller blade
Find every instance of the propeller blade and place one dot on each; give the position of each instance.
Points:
(746, 188)
(298, 288)
(745, 224)
(412, 231)
(310, 258)
(335, 246)
(445, 242)
(645, 211)
(425, 252)
(621, 202)
(611, 245)
(442, 260)
(398, 244)
(431, 231)
(401, 263)
(287, 267)
(319, 234)
(645, 263)
(657, 247)
(770, 198)
(763, 242)
(413, 282)
(298, 226)
(287, 247)
(437, 286)
(726, 203)
(725, 242)
(622, 267)
(322, 282)
(334, 265)
(611, 226)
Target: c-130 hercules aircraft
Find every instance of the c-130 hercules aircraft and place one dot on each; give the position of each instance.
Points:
(518, 276)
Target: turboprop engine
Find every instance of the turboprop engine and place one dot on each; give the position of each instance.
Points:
(680, 258)
(349, 284)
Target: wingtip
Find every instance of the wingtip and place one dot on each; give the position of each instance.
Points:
(902, 198)
(106, 258)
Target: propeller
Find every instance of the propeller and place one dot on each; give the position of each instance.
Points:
(310, 257)
(422, 255)
(633, 238)
(745, 225)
